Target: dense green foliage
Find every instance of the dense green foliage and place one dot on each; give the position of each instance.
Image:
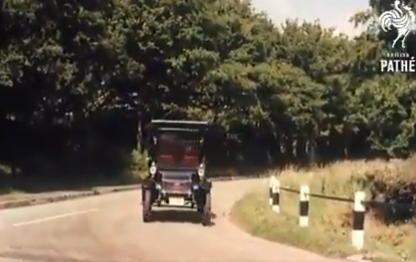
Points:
(77, 78)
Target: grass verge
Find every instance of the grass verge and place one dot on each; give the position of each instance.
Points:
(253, 214)
(329, 232)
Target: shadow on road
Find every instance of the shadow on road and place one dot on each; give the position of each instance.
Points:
(179, 216)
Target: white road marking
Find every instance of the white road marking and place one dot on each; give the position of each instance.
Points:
(45, 219)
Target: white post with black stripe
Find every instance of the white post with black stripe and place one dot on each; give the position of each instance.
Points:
(276, 196)
(271, 182)
(304, 206)
(358, 220)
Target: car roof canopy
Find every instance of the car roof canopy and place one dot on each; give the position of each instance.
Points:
(161, 125)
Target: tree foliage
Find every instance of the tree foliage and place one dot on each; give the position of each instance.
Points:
(77, 78)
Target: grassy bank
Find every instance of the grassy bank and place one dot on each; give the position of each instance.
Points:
(329, 232)
(41, 175)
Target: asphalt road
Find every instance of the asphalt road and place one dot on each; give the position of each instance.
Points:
(108, 228)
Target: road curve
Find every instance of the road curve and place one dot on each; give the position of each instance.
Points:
(109, 229)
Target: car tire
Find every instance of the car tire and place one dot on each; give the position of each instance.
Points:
(206, 211)
(147, 206)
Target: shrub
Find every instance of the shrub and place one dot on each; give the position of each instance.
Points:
(138, 164)
(394, 184)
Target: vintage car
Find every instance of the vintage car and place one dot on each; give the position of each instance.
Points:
(176, 177)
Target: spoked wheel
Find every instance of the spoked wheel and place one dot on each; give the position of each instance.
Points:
(206, 211)
(147, 206)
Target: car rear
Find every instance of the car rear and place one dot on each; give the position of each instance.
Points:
(176, 188)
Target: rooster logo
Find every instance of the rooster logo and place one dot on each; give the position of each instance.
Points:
(400, 17)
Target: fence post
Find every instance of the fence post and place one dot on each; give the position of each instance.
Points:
(276, 196)
(304, 206)
(358, 220)
(271, 183)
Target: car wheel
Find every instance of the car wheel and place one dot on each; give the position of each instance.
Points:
(147, 206)
(206, 212)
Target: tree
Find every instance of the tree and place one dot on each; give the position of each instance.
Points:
(72, 72)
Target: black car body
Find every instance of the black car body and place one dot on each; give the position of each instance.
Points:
(177, 167)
